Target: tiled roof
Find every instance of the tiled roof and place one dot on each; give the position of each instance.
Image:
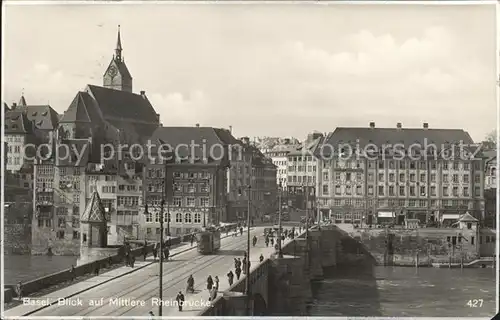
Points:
(490, 155)
(17, 122)
(467, 218)
(77, 111)
(384, 136)
(94, 211)
(122, 105)
(43, 116)
(207, 136)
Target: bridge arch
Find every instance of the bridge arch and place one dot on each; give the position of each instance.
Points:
(259, 305)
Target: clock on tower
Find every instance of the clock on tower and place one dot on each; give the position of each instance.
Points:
(112, 71)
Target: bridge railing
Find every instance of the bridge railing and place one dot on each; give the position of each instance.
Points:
(35, 285)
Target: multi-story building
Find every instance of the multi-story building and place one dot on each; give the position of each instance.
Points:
(491, 170)
(490, 188)
(302, 174)
(25, 125)
(192, 182)
(379, 183)
(263, 185)
(110, 116)
(239, 176)
(279, 156)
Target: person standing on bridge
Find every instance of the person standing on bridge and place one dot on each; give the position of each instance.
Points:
(166, 253)
(180, 300)
(230, 277)
(272, 241)
(267, 240)
(190, 284)
(155, 250)
(216, 283)
(19, 290)
(72, 272)
(145, 249)
(261, 258)
(210, 283)
(192, 239)
(238, 272)
(254, 240)
(245, 265)
(241, 231)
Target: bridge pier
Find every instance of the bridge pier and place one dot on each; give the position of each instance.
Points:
(316, 267)
(288, 286)
(235, 304)
(300, 248)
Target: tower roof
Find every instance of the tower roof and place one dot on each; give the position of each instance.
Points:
(467, 218)
(94, 212)
(119, 41)
(22, 102)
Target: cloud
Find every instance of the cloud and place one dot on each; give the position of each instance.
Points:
(177, 109)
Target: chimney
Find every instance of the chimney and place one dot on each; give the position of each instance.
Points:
(399, 126)
(143, 93)
(426, 125)
(14, 105)
(245, 140)
(372, 124)
(231, 129)
(158, 117)
(197, 125)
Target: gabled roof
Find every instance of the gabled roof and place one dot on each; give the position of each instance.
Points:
(122, 105)
(80, 152)
(22, 102)
(16, 122)
(203, 136)
(490, 155)
(6, 107)
(43, 116)
(77, 111)
(467, 218)
(94, 211)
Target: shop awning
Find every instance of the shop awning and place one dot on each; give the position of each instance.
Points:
(450, 216)
(386, 214)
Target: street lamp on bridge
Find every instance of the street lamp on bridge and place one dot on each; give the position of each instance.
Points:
(247, 267)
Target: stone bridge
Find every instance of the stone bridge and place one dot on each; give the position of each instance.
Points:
(281, 286)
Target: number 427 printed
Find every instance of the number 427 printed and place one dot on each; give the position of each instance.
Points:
(475, 303)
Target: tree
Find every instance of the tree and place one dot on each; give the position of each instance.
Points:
(490, 141)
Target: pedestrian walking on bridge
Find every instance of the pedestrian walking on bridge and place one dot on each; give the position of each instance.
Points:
(180, 300)
(19, 288)
(151, 315)
(145, 249)
(238, 272)
(210, 283)
(230, 277)
(261, 258)
(155, 250)
(192, 239)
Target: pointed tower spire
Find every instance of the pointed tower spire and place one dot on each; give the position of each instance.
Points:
(22, 101)
(118, 50)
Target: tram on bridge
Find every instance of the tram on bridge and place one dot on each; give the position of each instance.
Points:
(208, 240)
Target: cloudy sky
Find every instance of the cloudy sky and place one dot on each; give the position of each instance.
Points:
(274, 70)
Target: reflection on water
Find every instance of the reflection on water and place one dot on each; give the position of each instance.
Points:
(404, 292)
(26, 267)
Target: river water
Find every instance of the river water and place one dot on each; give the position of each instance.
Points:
(26, 267)
(353, 290)
(404, 292)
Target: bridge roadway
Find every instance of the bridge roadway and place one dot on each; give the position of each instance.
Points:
(142, 285)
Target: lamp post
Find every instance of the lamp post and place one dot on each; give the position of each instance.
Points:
(247, 267)
(280, 252)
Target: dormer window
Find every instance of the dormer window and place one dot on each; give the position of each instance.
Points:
(45, 113)
(39, 123)
(34, 114)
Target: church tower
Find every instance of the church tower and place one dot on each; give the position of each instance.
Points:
(117, 76)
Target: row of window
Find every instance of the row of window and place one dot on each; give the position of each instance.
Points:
(301, 168)
(178, 187)
(179, 217)
(370, 203)
(181, 201)
(14, 149)
(13, 160)
(130, 188)
(13, 138)
(404, 164)
(301, 158)
(412, 191)
(128, 201)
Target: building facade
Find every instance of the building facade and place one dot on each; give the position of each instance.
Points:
(378, 187)
(491, 181)
(110, 115)
(193, 182)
